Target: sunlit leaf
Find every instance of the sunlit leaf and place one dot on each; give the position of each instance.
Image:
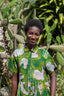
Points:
(54, 25)
(43, 5)
(50, 17)
(11, 44)
(61, 17)
(58, 39)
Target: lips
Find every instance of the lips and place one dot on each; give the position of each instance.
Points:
(33, 41)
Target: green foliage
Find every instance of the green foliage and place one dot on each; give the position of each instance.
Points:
(2, 49)
(57, 48)
(4, 22)
(19, 38)
(62, 37)
(60, 58)
(23, 33)
(60, 82)
(11, 44)
(63, 54)
(49, 37)
(1, 3)
(16, 21)
(58, 39)
(10, 33)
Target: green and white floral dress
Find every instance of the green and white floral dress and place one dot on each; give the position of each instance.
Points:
(33, 66)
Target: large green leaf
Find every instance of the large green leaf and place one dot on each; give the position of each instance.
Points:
(49, 37)
(1, 16)
(1, 2)
(63, 2)
(16, 21)
(19, 38)
(16, 12)
(59, 48)
(5, 10)
(10, 33)
(11, 44)
(12, 3)
(58, 39)
(4, 22)
(44, 5)
(2, 49)
(60, 58)
(49, 18)
(54, 25)
(62, 37)
(47, 28)
(45, 12)
(61, 17)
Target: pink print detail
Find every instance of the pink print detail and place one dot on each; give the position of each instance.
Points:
(15, 54)
(34, 55)
(32, 90)
(39, 75)
(29, 84)
(25, 65)
(21, 77)
(49, 66)
(40, 88)
(47, 83)
(47, 87)
(40, 92)
(18, 52)
(24, 62)
(22, 88)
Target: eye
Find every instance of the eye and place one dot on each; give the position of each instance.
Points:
(36, 34)
(30, 33)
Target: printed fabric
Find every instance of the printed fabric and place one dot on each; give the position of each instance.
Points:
(33, 67)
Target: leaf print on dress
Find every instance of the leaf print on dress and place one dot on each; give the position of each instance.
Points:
(49, 66)
(21, 77)
(32, 90)
(24, 62)
(29, 84)
(47, 84)
(34, 55)
(40, 88)
(39, 75)
(22, 88)
(45, 55)
(18, 52)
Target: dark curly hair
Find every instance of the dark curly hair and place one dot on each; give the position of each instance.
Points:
(33, 22)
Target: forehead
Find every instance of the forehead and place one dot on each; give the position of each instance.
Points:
(34, 29)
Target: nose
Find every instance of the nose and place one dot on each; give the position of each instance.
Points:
(33, 36)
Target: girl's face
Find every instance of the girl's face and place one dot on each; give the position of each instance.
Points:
(33, 35)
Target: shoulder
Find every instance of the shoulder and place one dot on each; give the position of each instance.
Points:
(42, 50)
(18, 51)
(44, 53)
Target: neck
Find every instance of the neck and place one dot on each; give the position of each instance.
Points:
(30, 46)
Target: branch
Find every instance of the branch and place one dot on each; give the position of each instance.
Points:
(21, 11)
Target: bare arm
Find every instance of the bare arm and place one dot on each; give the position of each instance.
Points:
(53, 84)
(14, 84)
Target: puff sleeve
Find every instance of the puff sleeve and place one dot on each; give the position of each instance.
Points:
(12, 64)
(50, 65)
